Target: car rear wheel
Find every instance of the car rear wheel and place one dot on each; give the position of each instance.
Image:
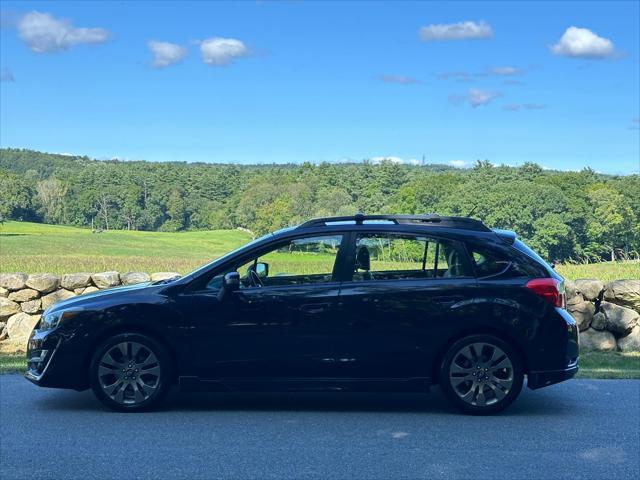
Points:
(130, 372)
(481, 374)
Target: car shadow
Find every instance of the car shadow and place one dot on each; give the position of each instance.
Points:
(434, 403)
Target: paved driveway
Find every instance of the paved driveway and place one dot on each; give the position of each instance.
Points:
(576, 430)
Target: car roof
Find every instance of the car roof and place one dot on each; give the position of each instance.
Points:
(435, 225)
(432, 219)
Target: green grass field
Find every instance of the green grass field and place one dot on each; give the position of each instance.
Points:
(33, 247)
(604, 271)
(609, 365)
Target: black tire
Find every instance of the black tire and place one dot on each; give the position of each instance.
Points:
(500, 382)
(130, 380)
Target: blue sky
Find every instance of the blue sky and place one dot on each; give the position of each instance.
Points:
(325, 81)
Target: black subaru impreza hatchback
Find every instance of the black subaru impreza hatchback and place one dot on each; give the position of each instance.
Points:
(360, 303)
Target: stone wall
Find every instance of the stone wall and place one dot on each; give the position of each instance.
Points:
(24, 297)
(607, 313)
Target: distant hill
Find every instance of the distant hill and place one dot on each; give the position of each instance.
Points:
(577, 215)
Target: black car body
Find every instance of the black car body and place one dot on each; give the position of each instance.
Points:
(384, 317)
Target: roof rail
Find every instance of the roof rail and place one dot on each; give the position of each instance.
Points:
(427, 219)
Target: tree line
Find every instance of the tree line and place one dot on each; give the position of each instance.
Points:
(563, 215)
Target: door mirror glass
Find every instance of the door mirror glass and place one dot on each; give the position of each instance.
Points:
(262, 269)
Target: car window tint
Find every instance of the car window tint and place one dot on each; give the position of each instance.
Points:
(300, 261)
(216, 282)
(382, 256)
(489, 263)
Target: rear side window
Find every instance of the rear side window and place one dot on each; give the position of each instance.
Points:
(384, 256)
(491, 263)
(527, 251)
(488, 263)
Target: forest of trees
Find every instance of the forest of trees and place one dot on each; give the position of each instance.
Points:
(579, 216)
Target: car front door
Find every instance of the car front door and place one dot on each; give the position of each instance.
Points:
(281, 324)
(404, 294)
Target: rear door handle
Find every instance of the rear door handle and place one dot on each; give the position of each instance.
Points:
(314, 308)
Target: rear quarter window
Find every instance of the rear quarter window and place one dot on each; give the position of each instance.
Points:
(489, 262)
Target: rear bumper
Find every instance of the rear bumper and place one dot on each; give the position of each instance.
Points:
(549, 377)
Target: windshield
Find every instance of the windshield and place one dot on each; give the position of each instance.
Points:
(221, 259)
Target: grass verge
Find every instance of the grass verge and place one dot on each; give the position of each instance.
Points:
(592, 365)
(609, 365)
(13, 363)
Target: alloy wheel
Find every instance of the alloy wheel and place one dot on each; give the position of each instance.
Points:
(481, 374)
(129, 373)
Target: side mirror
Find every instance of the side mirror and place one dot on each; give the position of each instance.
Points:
(262, 269)
(231, 281)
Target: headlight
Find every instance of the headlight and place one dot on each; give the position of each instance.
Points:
(52, 320)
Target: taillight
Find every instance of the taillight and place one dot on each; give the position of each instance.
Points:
(550, 289)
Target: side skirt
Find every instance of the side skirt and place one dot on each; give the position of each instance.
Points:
(196, 384)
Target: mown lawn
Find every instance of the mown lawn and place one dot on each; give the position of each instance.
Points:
(609, 365)
(12, 363)
(592, 365)
(604, 271)
(34, 247)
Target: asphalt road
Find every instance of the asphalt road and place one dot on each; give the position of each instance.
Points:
(576, 430)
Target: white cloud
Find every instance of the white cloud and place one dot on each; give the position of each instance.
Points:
(456, 31)
(404, 80)
(459, 76)
(475, 97)
(222, 51)
(44, 33)
(479, 97)
(506, 71)
(514, 107)
(458, 163)
(583, 43)
(6, 75)
(468, 76)
(410, 161)
(165, 53)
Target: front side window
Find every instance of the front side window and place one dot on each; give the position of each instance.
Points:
(383, 256)
(297, 262)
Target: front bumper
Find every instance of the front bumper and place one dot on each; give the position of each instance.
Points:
(549, 377)
(52, 360)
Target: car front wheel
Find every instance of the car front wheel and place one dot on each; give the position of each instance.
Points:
(481, 374)
(130, 372)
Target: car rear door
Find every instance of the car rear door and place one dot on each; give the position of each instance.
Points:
(400, 305)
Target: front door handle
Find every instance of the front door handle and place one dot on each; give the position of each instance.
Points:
(314, 308)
